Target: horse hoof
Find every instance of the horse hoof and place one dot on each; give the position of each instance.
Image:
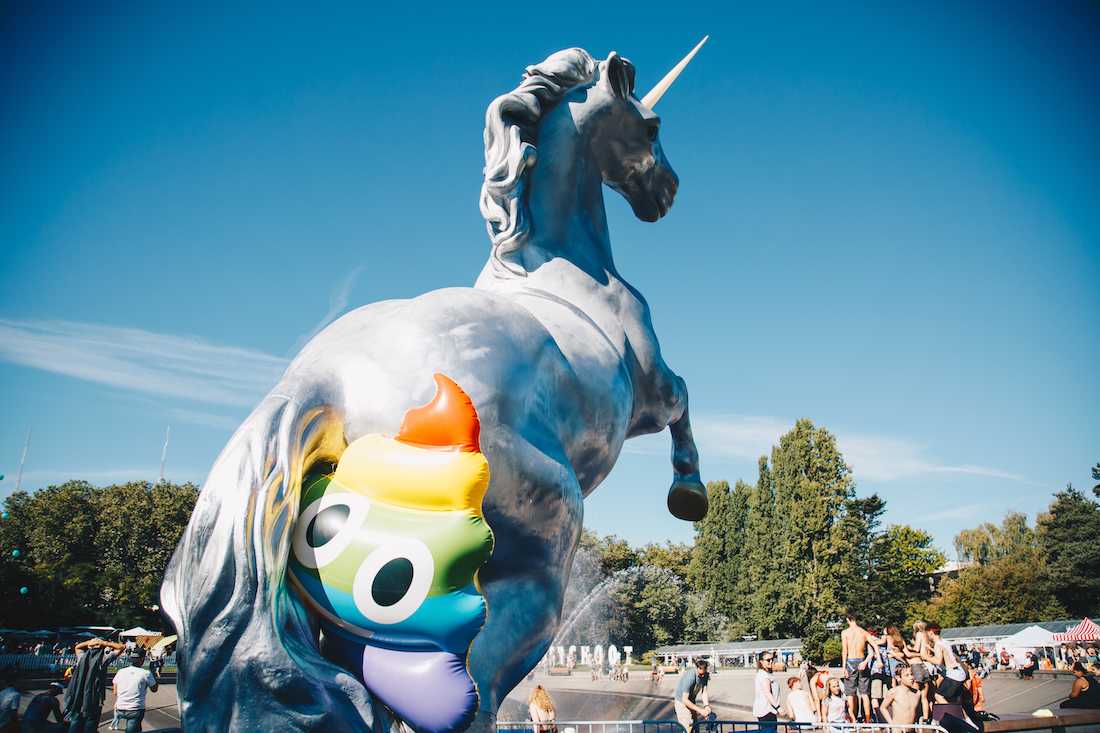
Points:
(687, 500)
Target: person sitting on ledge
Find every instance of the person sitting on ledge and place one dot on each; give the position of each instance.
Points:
(1027, 671)
(1085, 693)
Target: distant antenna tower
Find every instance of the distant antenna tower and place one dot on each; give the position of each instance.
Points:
(23, 460)
(164, 452)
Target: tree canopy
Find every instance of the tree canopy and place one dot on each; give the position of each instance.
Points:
(89, 555)
(780, 557)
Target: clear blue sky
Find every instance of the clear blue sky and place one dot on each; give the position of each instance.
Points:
(888, 222)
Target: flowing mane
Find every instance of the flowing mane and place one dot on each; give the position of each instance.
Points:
(511, 131)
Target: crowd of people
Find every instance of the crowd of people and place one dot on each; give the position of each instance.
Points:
(886, 678)
(75, 702)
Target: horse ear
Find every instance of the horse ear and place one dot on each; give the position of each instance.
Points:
(618, 75)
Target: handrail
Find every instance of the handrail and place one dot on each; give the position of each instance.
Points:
(709, 726)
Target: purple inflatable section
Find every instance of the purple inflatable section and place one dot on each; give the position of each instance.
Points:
(401, 679)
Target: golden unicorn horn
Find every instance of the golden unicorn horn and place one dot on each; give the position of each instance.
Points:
(650, 100)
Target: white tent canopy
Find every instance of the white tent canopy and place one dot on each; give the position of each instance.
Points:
(139, 631)
(1033, 637)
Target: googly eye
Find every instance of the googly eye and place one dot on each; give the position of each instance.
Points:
(394, 580)
(326, 527)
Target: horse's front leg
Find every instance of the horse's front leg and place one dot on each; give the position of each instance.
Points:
(687, 498)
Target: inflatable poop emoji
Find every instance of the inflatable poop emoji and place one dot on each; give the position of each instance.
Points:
(386, 551)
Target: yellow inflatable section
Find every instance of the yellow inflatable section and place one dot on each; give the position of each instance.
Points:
(405, 474)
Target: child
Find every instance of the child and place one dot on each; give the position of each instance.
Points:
(976, 693)
(903, 701)
(834, 708)
(800, 705)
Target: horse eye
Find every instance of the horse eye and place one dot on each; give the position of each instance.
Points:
(652, 133)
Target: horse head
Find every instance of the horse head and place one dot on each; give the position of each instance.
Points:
(572, 125)
(624, 139)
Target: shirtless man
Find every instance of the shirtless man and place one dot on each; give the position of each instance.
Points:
(858, 650)
(902, 701)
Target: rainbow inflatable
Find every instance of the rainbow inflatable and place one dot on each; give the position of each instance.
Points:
(386, 552)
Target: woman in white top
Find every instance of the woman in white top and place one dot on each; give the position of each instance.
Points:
(800, 707)
(765, 701)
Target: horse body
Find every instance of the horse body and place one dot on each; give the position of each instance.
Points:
(557, 353)
(555, 393)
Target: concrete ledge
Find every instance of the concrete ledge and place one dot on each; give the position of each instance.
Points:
(1063, 718)
(1039, 674)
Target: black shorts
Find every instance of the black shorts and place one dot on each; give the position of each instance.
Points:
(951, 690)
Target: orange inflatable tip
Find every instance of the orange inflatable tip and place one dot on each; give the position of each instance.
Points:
(449, 420)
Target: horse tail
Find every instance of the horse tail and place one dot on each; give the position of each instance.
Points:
(246, 652)
(237, 591)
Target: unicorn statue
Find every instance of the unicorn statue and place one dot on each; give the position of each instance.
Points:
(385, 541)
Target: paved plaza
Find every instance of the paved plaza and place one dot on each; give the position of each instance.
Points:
(577, 697)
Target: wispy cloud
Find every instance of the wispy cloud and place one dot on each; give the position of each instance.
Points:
(738, 436)
(184, 367)
(203, 418)
(872, 458)
(966, 511)
(337, 303)
(887, 459)
(722, 436)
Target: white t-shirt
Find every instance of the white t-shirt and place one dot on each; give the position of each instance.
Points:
(761, 687)
(801, 706)
(9, 704)
(131, 684)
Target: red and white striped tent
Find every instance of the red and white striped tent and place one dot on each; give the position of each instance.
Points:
(1084, 631)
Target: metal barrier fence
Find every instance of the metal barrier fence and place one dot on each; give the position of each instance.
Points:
(56, 664)
(783, 726)
(709, 726)
(593, 726)
(37, 663)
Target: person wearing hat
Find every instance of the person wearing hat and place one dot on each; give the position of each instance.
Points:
(130, 685)
(36, 718)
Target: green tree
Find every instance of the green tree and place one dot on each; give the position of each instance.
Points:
(1007, 590)
(1068, 535)
(54, 530)
(716, 554)
(858, 544)
(702, 622)
(90, 554)
(760, 584)
(814, 640)
(903, 560)
(988, 542)
(647, 608)
(812, 487)
(673, 556)
(139, 526)
(615, 553)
